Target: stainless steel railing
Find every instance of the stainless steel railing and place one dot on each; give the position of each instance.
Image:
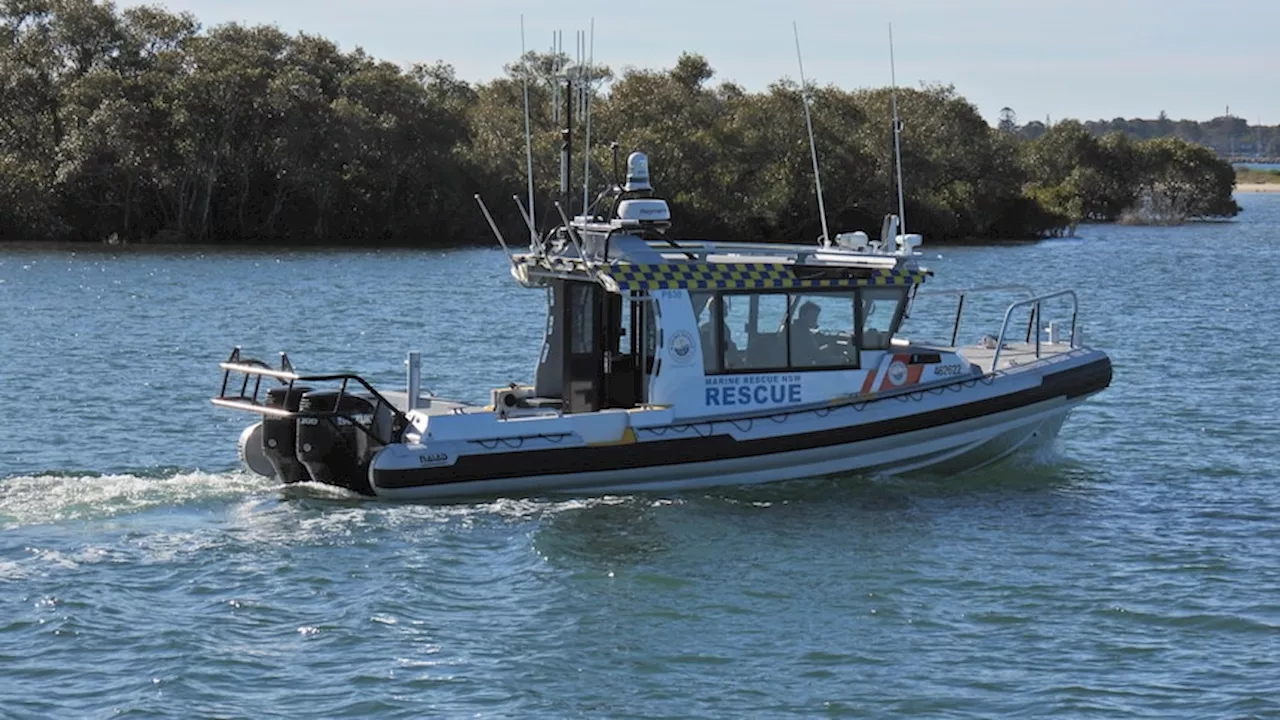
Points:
(1035, 303)
(965, 292)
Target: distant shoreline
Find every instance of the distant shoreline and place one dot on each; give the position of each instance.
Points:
(1258, 188)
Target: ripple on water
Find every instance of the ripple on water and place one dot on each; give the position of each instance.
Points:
(1128, 571)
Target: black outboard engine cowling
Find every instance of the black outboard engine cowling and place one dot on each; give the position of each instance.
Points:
(279, 435)
(334, 449)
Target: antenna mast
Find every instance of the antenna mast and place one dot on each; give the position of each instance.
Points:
(586, 89)
(566, 136)
(528, 142)
(555, 77)
(897, 135)
(813, 148)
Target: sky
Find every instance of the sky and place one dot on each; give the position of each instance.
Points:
(1056, 59)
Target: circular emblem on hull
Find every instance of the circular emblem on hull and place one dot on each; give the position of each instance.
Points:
(898, 372)
(682, 348)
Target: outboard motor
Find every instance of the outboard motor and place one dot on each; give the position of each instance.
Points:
(334, 450)
(279, 434)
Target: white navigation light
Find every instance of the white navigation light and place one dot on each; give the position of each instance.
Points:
(637, 172)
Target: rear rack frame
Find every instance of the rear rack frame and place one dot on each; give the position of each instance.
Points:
(255, 370)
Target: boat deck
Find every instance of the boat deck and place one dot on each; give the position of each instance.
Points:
(1013, 354)
(428, 404)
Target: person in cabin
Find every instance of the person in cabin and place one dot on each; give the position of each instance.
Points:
(805, 348)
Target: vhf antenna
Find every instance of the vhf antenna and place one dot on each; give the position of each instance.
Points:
(813, 148)
(528, 142)
(897, 135)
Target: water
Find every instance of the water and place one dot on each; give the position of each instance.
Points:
(1130, 573)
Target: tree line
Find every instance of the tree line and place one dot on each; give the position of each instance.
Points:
(138, 125)
(1229, 136)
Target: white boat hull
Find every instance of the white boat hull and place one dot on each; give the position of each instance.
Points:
(902, 435)
(950, 450)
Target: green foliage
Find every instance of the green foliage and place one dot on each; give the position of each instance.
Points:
(140, 124)
(137, 124)
(1227, 135)
(1165, 180)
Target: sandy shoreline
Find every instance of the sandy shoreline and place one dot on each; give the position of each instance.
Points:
(1258, 187)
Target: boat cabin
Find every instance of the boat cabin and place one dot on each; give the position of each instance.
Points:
(728, 333)
(635, 318)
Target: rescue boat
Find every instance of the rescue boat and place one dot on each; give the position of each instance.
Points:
(669, 364)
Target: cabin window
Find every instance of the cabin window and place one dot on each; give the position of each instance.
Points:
(776, 331)
(766, 332)
(705, 311)
(821, 333)
(582, 336)
(881, 310)
(647, 307)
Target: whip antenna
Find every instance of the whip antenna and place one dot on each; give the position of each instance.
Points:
(528, 142)
(586, 155)
(897, 135)
(813, 148)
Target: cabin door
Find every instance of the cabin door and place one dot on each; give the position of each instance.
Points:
(623, 377)
(584, 346)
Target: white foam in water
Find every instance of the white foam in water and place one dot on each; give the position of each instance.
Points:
(1046, 455)
(46, 499)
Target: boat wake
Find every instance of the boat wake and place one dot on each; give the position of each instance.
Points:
(56, 497)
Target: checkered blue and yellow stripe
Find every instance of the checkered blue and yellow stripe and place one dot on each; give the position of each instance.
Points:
(638, 278)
